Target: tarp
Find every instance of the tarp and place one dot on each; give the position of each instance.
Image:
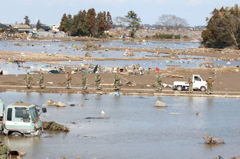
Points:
(95, 69)
(55, 72)
(157, 69)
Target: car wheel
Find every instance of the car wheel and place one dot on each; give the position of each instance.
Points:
(16, 134)
(179, 88)
(203, 89)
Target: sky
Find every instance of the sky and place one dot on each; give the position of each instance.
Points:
(51, 11)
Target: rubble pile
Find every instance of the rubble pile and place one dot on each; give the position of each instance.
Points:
(128, 53)
(51, 125)
(90, 46)
(88, 54)
(53, 103)
(160, 104)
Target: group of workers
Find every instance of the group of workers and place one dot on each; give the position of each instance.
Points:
(98, 80)
(84, 81)
(29, 79)
(68, 81)
(117, 82)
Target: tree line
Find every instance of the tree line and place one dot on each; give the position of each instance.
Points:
(86, 23)
(223, 28)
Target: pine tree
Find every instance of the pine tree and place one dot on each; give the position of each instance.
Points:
(38, 25)
(101, 23)
(134, 22)
(27, 21)
(91, 15)
(109, 21)
(83, 24)
(223, 29)
(63, 23)
(75, 21)
(69, 24)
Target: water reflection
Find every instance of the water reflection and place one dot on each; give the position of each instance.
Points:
(135, 128)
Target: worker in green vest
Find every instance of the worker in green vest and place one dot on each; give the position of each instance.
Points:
(41, 79)
(190, 82)
(159, 83)
(98, 82)
(84, 81)
(69, 81)
(117, 82)
(28, 80)
(209, 85)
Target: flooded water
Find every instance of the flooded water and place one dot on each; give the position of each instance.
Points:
(175, 44)
(150, 63)
(135, 128)
(65, 48)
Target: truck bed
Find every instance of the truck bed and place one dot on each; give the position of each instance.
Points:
(181, 83)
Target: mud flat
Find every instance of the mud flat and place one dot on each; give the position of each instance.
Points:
(226, 82)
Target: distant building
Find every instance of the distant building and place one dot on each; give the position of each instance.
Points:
(54, 27)
(22, 28)
(199, 28)
(2, 26)
(46, 28)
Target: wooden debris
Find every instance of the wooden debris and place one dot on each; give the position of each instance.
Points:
(172, 75)
(53, 103)
(97, 118)
(210, 140)
(16, 154)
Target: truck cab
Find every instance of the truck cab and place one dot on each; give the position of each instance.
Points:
(21, 119)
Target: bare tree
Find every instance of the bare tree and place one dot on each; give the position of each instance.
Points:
(171, 22)
(180, 23)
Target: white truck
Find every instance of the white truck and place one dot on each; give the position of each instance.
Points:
(198, 83)
(20, 119)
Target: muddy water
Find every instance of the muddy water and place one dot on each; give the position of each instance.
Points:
(135, 128)
(63, 47)
(186, 63)
(175, 44)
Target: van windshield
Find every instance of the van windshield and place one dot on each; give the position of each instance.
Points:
(34, 114)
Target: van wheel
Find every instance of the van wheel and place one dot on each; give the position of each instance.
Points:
(203, 89)
(16, 134)
(179, 88)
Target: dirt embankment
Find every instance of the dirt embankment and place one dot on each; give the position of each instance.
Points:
(226, 81)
